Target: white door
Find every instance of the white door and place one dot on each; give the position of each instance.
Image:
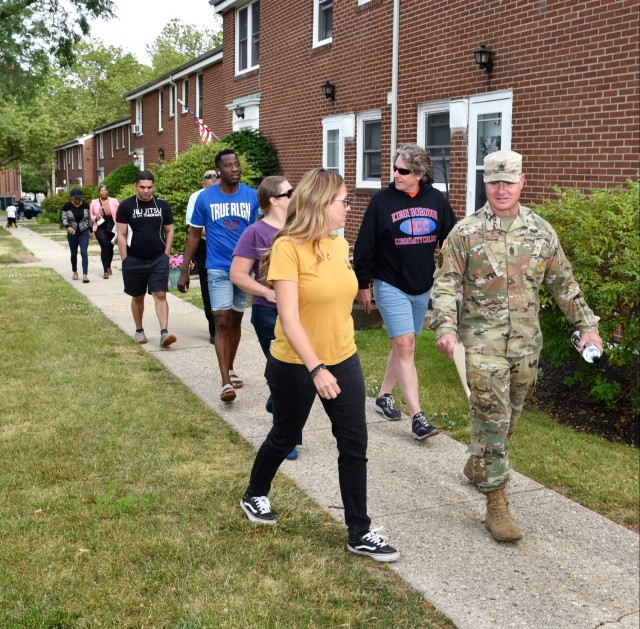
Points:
(489, 131)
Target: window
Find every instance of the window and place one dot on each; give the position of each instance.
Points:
(434, 133)
(160, 109)
(248, 37)
(185, 95)
(101, 145)
(139, 115)
(112, 135)
(199, 94)
(335, 130)
(369, 147)
(80, 157)
(172, 100)
(71, 155)
(322, 22)
(117, 139)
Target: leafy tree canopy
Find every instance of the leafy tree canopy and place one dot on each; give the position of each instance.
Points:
(36, 33)
(178, 43)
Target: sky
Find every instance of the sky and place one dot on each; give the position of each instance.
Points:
(139, 22)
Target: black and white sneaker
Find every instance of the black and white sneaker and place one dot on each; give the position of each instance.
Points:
(386, 405)
(422, 427)
(373, 545)
(257, 509)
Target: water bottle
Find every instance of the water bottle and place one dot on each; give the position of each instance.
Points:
(589, 352)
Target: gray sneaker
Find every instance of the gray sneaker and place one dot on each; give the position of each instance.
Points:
(140, 338)
(386, 405)
(166, 339)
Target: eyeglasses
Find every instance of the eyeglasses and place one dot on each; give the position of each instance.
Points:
(211, 176)
(346, 201)
(287, 194)
(402, 171)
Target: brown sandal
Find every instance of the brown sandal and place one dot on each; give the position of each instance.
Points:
(74, 276)
(228, 393)
(236, 381)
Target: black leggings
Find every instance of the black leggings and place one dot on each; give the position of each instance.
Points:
(104, 237)
(293, 395)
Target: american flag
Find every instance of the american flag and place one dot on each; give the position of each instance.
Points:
(206, 135)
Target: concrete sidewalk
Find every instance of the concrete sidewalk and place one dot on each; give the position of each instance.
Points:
(573, 569)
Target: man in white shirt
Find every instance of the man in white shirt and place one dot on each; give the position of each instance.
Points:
(11, 216)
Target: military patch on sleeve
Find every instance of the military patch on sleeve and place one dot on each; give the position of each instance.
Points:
(440, 259)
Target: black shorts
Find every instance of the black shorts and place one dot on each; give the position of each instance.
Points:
(141, 276)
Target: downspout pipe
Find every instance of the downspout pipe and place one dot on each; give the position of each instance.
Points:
(394, 83)
(175, 115)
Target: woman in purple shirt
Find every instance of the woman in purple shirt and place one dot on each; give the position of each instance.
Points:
(274, 194)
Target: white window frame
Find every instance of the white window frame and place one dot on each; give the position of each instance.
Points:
(160, 109)
(361, 2)
(117, 132)
(345, 127)
(111, 134)
(316, 24)
(199, 91)
(424, 109)
(185, 95)
(123, 139)
(71, 153)
(363, 117)
(101, 146)
(252, 63)
(172, 101)
(80, 157)
(139, 115)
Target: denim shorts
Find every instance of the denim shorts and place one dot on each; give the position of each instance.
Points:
(223, 294)
(402, 313)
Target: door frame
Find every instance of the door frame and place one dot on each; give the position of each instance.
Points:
(493, 102)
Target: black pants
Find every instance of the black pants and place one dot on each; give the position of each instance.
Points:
(201, 261)
(104, 236)
(293, 395)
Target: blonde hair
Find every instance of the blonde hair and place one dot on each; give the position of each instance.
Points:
(307, 218)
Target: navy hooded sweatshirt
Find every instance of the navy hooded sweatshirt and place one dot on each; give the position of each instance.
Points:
(399, 236)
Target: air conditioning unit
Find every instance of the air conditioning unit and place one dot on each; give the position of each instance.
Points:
(136, 129)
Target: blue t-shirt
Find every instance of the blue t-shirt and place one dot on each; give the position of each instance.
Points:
(224, 217)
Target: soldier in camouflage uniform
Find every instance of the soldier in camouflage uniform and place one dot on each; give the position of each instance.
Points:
(500, 256)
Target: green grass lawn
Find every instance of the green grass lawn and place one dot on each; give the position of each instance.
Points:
(12, 251)
(120, 489)
(598, 474)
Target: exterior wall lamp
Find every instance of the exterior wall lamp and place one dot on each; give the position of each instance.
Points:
(483, 55)
(161, 153)
(329, 89)
(239, 111)
(135, 156)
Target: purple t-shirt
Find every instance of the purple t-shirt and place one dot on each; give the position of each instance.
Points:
(253, 243)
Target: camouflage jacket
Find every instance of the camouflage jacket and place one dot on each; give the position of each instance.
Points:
(501, 273)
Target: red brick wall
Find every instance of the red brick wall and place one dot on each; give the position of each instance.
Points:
(572, 67)
(10, 183)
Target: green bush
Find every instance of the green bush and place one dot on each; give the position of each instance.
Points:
(52, 216)
(120, 177)
(599, 234)
(259, 153)
(54, 202)
(177, 180)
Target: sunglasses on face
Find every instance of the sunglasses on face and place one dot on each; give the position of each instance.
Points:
(402, 171)
(211, 176)
(287, 194)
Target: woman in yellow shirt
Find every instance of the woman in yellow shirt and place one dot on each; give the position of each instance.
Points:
(314, 353)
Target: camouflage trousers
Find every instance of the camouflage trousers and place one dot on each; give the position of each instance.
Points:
(498, 387)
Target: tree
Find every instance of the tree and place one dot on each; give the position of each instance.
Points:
(35, 33)
(178, 43)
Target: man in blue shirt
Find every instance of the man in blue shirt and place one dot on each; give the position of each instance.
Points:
(224, 212)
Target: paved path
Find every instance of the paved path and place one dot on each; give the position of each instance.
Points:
(573, 569)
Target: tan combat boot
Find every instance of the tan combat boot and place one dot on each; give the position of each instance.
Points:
(498, 519)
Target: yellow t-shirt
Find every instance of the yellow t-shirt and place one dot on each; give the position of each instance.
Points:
(326, 291)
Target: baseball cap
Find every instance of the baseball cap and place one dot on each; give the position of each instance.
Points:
(503, 166)
(76, 193)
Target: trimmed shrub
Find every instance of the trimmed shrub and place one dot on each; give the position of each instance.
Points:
(258, 152)
(120, 177)
(177, 180)
(599, 234)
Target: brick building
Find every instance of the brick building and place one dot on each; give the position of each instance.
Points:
(563, 89)
(112, 147)
(10, 187)
(75, 163)
(160, 123)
